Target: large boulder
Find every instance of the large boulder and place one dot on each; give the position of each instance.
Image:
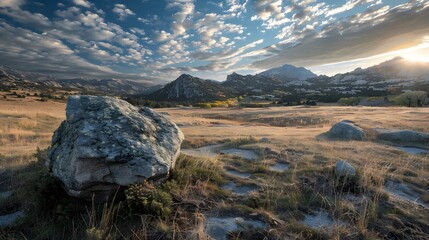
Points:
(404, 137)
(346, 130)
(105, 143)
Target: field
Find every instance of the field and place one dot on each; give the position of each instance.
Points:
(26, 124)
(388, 199)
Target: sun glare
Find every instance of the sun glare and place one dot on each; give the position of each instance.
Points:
(414, 58)
(421, 55)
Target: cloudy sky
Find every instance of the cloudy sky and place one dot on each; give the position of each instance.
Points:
(154, 41)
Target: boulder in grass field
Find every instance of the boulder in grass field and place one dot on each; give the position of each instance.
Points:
(346, 130)
(344, 169)
(105, 143)
(404, 137)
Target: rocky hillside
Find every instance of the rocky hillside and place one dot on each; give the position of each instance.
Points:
(400, 68)
(396, 73)
(191, 89)
(289, 73)
(13, 79)
(251, 84)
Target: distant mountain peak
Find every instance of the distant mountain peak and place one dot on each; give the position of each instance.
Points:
(246, 84)
(289, 72)
(185, 76)
(188, 88)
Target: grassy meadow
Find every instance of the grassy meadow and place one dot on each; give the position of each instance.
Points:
(360, 208)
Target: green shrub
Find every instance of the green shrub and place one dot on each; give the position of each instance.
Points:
(203, 105)
(49, 197)
(217, 104)
(146, 198)
(351, 101)
(41, 154)
(412, 99)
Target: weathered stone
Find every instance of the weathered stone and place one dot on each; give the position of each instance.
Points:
(5, 195)
(405, 137)
(344, 169)
(105, 143)
(265, 140)
(10, 220)
(242, 153)
(346, 130)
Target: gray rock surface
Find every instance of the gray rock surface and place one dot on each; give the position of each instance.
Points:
(106, 142)
(242, 153)
(344, 169)
(346, 130)
(219, 227)
(407, 137)
(11, 219)
(265, 140)
(6, 194)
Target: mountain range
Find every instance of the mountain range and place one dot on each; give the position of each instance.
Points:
(396, 74)
(12, 79)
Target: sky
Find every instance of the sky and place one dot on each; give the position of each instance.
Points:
(154, 41)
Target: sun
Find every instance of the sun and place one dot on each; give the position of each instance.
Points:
(415, 56)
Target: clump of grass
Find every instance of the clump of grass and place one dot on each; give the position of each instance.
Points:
(233, 143)
(304, 232)
(192, 169)
(146, 198)
(100, 228)
(41, 154)
(198, 142)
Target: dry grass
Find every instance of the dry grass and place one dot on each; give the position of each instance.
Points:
(26, 124)
(310, 183)
(301, 123)
(283, 198)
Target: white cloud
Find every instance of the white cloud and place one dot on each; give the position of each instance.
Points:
(26, 17)
(15, 4)
(110, 46)
(138, 30)
(347, 6)
(268, 9)
(122, 11)
(83, 3)
(161, 36)
(213, 26)
(271, 13)
(236, 7)
(182, 20)
(286, 32)
(45, 53)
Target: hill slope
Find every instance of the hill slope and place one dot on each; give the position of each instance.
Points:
(191, 89)
(248, 84)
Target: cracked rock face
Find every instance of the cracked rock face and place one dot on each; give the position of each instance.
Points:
(105, 143)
